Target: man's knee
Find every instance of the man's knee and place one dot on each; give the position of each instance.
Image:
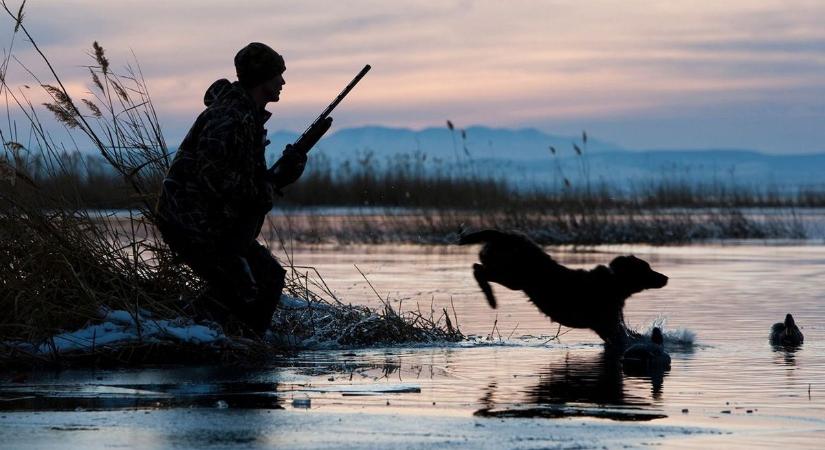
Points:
(265, 267)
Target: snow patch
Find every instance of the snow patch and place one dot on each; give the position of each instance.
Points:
(120, 327)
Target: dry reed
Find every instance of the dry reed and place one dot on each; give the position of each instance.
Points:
(63, 263)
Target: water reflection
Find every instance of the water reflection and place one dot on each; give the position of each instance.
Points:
(577, 378)
(148, 388)
(107, 397)
(654, 372)
(656, 375)
(347, 366)
(785, 356)
(580, 386)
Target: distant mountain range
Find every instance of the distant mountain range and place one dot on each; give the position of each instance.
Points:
(524, 144)
(530, 157)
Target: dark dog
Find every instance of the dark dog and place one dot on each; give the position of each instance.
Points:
(574, 298)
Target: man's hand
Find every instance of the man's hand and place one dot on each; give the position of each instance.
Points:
(289, 167)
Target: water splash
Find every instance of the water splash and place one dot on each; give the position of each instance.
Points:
(675, 339)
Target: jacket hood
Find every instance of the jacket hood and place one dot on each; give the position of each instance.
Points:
(227, 93)
(222, 88)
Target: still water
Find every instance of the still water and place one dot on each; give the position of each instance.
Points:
(510, 386)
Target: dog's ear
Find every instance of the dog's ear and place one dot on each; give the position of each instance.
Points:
(637, 274)
(624, 265)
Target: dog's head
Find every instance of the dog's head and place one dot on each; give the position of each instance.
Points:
(636, 274)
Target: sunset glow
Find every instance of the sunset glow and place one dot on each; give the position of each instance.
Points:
(732, 74)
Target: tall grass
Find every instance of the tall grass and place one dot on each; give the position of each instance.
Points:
(412, 181)
(63, 262)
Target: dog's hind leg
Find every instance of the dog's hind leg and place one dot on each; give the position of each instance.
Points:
(481, 278)
(615, 338)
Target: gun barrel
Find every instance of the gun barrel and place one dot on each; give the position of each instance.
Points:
(341, 96)
(305, 137)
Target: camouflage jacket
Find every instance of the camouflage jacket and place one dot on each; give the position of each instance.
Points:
(218, 183)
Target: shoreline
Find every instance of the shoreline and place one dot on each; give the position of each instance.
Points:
(668, 226)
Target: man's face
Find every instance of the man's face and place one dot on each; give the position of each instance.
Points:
(272, 87)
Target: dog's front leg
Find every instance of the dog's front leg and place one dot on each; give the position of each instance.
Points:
(615, 339)
(481, 278)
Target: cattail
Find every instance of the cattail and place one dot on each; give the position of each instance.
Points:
(13, 146)
(567, 182)
(464, 142)
(59, 95)
(584, 136)
(96, 80)
(19, 18)
(577, 149)
(63, 115)
(552, 150)
(120, 91)
(62, 108)
(100, 56)
(92, 107)
(450, 125)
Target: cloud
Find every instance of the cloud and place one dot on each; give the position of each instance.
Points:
(501, 63)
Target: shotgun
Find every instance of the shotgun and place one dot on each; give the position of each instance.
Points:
(311, 135)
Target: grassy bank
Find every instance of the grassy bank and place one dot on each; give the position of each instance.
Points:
(73, 280)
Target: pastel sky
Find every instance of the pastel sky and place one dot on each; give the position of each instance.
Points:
(640, 73)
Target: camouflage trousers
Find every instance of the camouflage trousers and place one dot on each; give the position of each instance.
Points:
(244, 280)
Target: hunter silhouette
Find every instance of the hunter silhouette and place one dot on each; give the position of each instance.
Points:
(218, 191)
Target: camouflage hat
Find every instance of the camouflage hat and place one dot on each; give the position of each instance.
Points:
(257, 63)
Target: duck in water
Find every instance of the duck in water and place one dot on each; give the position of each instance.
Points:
(647, 357)
(787, 333)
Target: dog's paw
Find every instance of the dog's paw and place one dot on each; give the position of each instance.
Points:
(481, 278)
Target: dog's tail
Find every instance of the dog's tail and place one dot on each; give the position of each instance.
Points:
(480, 237)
